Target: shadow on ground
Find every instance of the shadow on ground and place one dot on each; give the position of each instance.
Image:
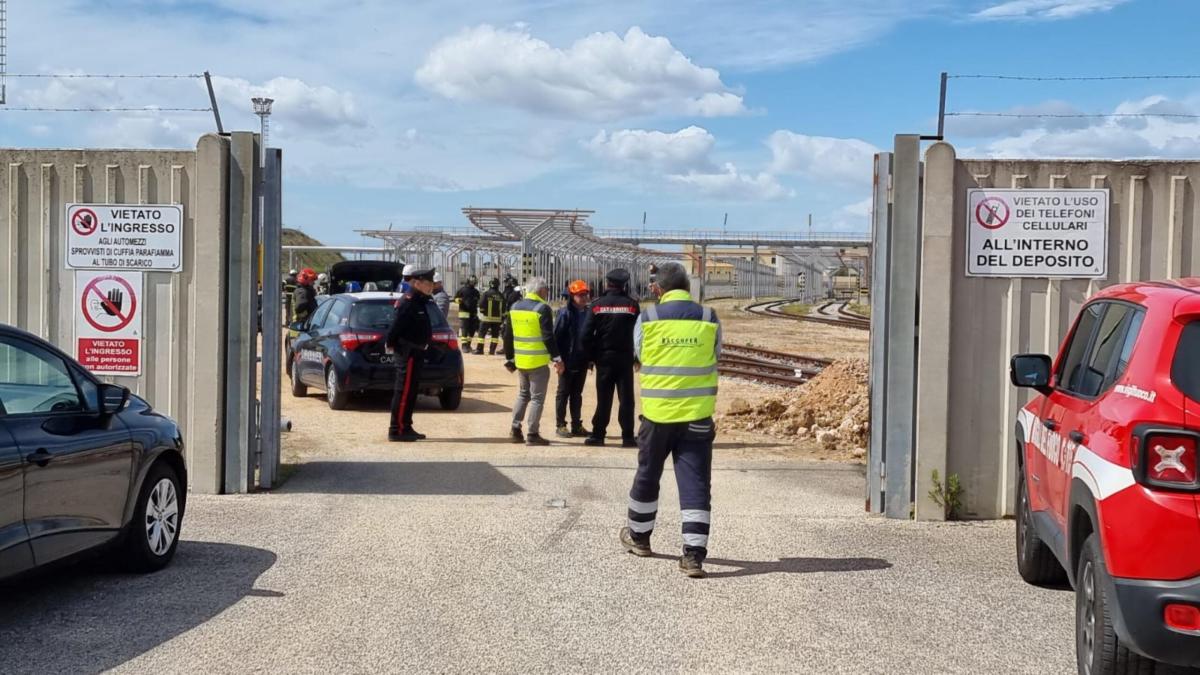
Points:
(87, 618)
(400, 478)
(747, 568)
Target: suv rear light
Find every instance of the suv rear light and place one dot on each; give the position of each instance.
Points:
(1182, 618)
(1167, 458)
(355, 339)
(448, 339)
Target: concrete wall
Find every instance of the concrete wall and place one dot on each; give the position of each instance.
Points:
(183, 344)
(969, 327)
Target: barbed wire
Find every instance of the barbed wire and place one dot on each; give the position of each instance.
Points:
(1072, 116)
(153, 110)
(1097, 78)
(104, 76)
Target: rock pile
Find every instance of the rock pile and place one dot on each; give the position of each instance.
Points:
(831, 409)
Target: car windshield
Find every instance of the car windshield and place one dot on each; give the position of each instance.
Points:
(377, 315)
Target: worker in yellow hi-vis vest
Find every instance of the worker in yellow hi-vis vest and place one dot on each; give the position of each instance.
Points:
(529, 349)
(676, 343)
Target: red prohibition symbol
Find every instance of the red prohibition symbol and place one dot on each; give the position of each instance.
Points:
(992, 213)
(84, 222)
(123, 318)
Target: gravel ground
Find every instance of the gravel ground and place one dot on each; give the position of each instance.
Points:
(466, 554)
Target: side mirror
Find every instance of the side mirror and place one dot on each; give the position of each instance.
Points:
(113, 398)
(1031, 371)
(298, 326)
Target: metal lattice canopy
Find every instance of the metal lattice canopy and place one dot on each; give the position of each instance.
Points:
(558, 231)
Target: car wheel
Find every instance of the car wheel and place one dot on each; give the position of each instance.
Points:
(1098, 650)
(334, 395)
(1035, 561)
(450, 398)
(299, 389)
(153, 534)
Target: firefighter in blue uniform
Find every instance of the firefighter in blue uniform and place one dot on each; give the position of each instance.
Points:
(677, 343)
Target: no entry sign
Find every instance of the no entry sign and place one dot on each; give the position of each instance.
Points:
(1037, 233)
(108, 322)
(144, 237)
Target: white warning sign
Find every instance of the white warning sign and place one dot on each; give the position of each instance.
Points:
(1037, 233)
(108, 322)
(144, 237)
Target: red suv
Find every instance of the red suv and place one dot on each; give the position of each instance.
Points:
(1108, 493)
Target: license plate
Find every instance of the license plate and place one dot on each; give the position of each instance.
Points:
(387, 358)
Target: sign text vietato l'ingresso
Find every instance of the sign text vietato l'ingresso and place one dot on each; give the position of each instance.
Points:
(1037, 233)
(144, 237)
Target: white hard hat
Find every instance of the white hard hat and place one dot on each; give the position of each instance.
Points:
(322, 276)
(408, 270)
(437, 277)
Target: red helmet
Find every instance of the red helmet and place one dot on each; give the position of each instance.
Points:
(578, 286)
(306, 276)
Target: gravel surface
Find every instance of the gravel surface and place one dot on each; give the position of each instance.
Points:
(466, 554)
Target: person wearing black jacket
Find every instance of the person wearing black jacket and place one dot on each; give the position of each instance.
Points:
(467, 298)
(568, 328)
(408, 339)
(607, 342)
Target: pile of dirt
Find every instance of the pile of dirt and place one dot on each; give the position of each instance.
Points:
(831, 409)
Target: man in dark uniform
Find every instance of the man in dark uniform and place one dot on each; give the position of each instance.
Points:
(491, 315)
(607, 341)
(511, 297)
(467, 298)
(408, 339)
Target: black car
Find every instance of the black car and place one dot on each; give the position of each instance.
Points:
(385, 275)
(341, 350)
(84, 465)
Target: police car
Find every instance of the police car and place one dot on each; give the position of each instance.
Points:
(341, 350)
(1108, 489)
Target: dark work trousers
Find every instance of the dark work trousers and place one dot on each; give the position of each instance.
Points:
(609, 378)
(466, 330)
(690, 444)
(404, 396)
(489, 332)
(570, 390)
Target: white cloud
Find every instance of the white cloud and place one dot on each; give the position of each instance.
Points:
(672, 152)
(601, 76)
(840, 160)
(1045, 10)
(1109, 138)
(855, 217)
(732, 185)
(302, 105)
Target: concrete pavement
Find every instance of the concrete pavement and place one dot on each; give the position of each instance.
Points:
(420, 558)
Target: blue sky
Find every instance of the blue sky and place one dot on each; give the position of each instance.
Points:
(402, 113)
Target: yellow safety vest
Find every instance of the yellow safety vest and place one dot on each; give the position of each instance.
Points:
(679, 365)
(529, 345)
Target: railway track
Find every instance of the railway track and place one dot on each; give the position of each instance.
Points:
(762, 365)
(824, 314)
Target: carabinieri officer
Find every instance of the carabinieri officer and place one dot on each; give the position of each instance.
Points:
(408, 338)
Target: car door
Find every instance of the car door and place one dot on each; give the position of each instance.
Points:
(78, 463)
(16, 555)
(326, 339)
(1068, 374)
(303, 347)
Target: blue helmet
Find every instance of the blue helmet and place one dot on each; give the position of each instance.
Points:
(353, 287)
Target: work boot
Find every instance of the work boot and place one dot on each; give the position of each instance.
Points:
(629, 443)
(578, 431)
(492, 350)
(637, 544)
(561, 431)
(409, 436)
(535, 439)
(517, 436)
(593, 441)
(479, 350)
(691, 565)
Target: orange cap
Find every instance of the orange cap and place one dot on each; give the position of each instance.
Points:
(578, 286)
